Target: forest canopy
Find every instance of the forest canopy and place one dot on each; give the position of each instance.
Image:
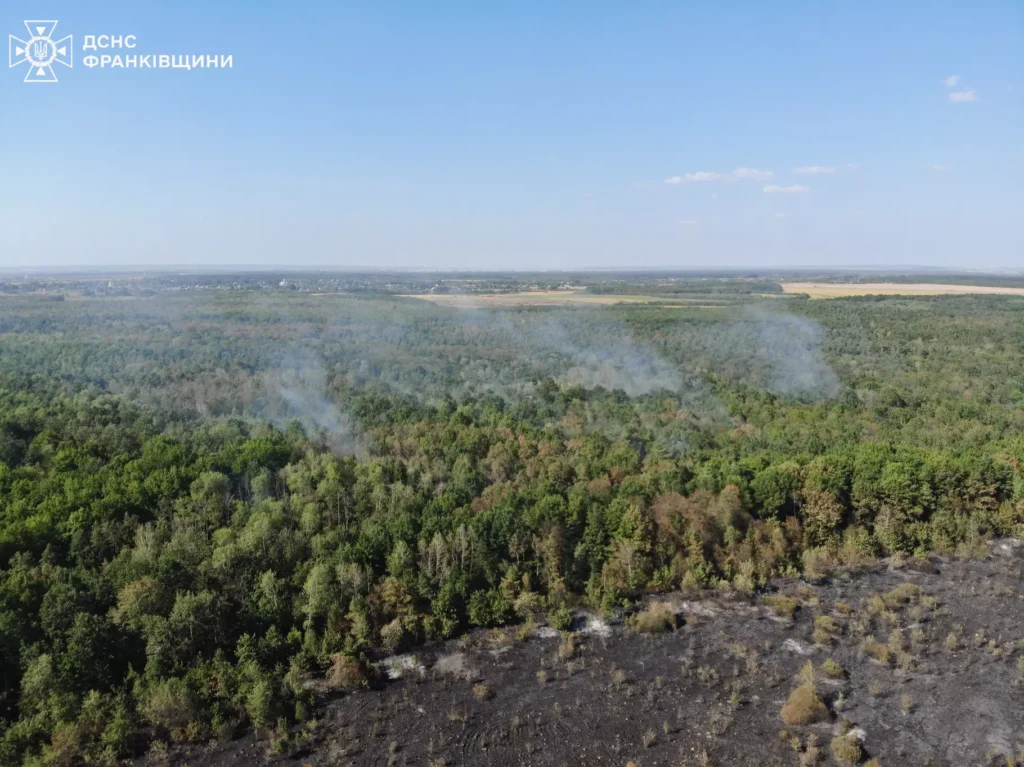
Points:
(216, 508)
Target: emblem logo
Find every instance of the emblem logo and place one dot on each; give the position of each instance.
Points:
(41, 51)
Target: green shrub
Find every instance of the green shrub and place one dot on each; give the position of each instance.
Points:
(783, 605)
(846, 750)
(832, 670)
(902, 594)
(804, 707)
(825, 623)
(560, 619)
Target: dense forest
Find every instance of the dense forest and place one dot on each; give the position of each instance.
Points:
(217, 508)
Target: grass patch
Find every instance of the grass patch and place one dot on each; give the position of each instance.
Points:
(784, 606)
(832, 670)
(880, 652)
(902, 594)
(567, 648)
(846, 750)
(824, 629)
(655, 619)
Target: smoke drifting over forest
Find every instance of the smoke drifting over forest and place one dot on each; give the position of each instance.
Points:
(793, 348)
(286, 356)
(578, 347)
(425, 352)
(778, 352)
(297, 391)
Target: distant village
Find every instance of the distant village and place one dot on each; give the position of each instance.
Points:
(135, 285)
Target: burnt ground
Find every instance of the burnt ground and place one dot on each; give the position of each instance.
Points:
(930, 677)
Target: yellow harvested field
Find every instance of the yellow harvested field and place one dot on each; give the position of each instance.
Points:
(840, 289)
(533, 298)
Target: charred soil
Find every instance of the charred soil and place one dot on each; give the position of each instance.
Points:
(916, 663)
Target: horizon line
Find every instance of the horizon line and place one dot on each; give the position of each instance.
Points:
(183, 269)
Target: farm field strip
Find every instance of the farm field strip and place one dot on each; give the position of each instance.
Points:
(840, 289)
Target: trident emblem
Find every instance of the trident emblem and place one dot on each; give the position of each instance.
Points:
(40, 51)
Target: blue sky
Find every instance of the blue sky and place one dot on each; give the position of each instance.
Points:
(527, 134)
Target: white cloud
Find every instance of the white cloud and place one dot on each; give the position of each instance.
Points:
(751, 174)
(792, 189)
(959, 97)
(814, 170)
(951, 81)
(937, 167)
(690, 223)
(853, 166)
(701, 175)
(781, 215)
